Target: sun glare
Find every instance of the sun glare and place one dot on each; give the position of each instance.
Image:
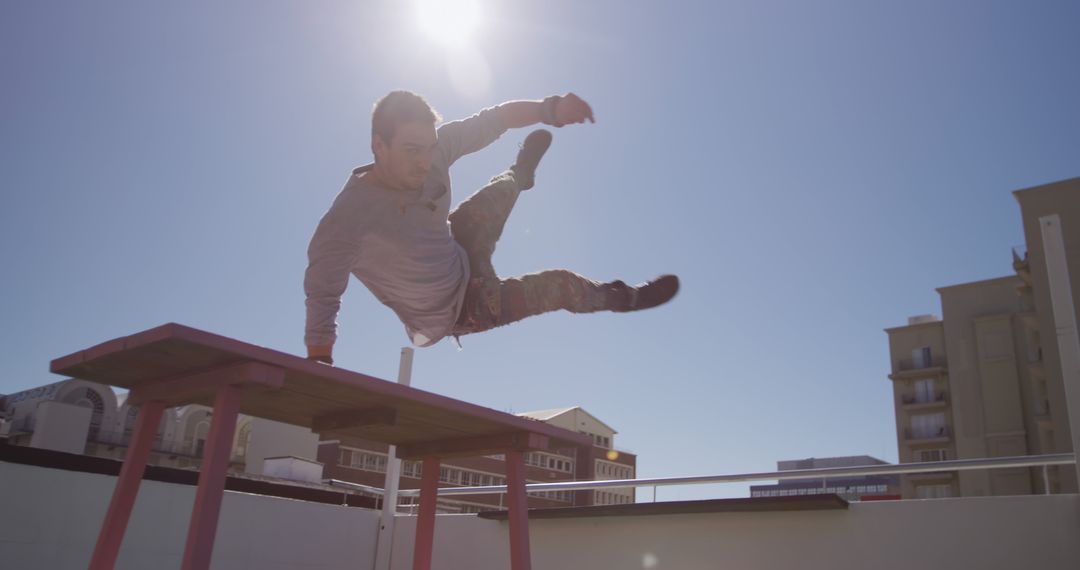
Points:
(450, 23)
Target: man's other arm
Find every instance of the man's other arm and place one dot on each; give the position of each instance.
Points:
(331, 257)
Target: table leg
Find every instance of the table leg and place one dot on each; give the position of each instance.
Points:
(425, 524)
(517, 502)
(127, 487)
(204, 516)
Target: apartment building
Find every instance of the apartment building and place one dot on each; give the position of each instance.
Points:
(985, 379)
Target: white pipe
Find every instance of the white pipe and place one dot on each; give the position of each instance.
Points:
(384, 545)
(1064, 314)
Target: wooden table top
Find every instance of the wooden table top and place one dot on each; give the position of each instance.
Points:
(312, 394)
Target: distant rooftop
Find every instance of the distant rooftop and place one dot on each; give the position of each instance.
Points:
(921, 319)
(545, 415)
(824, 462)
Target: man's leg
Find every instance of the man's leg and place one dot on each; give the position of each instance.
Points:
(556, 289)
(492, 302)
(478, 222)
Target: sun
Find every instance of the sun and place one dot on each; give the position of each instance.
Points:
(450, 23)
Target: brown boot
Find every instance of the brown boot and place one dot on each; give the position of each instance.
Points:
(528, 158)
(645, 296)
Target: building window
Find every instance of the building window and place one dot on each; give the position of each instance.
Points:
(598, 440)
(921, 357)
(609, 470)
(549, 461)
(928, 425)
(924, 391)
(363, 460)
(412, 469)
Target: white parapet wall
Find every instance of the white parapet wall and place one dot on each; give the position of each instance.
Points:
(988, 533)
(49, 518)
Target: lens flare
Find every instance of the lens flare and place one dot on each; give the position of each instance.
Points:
(612, 455)
(450, 23)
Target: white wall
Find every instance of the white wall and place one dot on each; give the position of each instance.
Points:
(987, 533)
(293, 468)
(49, 519)
(276, 439)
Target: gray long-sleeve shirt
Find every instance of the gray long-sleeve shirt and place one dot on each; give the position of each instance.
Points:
(397, 243)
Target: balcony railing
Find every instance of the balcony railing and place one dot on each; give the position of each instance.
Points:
(909, 399)
(911, 365)
(918, 434)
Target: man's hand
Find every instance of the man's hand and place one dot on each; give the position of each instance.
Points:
(572, 109)
(321, 353)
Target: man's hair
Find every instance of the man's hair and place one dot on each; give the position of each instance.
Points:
(398, 107)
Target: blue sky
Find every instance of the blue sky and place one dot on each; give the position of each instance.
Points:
(812, 171)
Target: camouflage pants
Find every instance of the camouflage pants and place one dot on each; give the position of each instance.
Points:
(477, 224)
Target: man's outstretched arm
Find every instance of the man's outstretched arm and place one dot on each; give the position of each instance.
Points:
(557, 111)
(458, 138)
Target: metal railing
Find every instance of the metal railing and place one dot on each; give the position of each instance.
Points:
(828, 472)
(917, 434)
(909, 399)
(912, 365)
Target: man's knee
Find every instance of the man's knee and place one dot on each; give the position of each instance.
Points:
(514, 305)
(556, 289)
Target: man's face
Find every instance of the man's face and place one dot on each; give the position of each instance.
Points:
(404, 161)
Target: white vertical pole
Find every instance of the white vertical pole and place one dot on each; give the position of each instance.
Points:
(1063, 310)
(393, 477)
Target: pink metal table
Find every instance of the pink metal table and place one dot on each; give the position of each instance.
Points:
(174, 365)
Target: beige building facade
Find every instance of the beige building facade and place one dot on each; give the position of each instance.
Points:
(985, 379)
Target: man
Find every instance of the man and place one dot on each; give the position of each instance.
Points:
(392, 228)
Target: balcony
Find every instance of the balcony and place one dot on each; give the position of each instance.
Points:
(940, 435)
(923, 401)
(907, 368)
